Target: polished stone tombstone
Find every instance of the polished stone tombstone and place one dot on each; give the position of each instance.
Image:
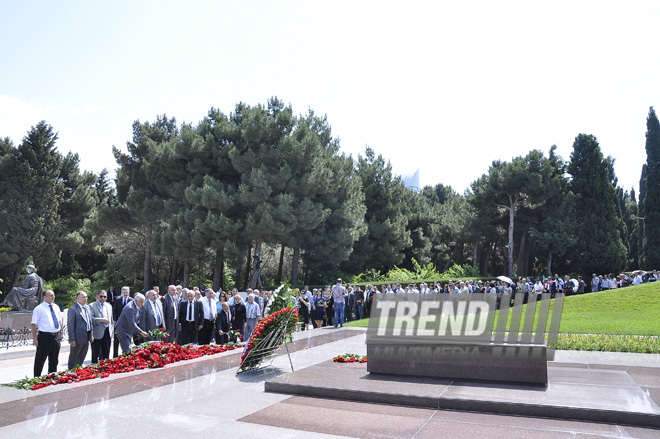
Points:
(453, 336)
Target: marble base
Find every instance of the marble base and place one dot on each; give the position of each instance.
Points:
(526, 364)
(607, 396)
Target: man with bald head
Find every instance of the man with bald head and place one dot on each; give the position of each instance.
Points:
(46, 333)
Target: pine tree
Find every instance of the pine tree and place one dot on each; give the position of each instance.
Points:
(640, 210)
(600, 249)
(44, 202)
(139, 211)
(509, 186)
(387, 237)
(650, 197)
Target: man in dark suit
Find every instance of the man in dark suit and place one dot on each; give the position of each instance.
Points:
(151, 314)
(191, 318)
(127, 324)
(117, 308)
(223, 324)
(79, 326)
(171, 314)
(238, 315)
(111, 295)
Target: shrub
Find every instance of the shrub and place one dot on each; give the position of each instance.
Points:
(460, 271)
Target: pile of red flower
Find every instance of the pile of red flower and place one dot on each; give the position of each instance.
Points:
(144, 356)
(350, 358)
(285, 316)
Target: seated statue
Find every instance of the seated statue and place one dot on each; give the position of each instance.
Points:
(28, 297)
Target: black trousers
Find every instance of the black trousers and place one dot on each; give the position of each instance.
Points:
(48, 348)
(303, 316)
(188, 332)
(115, 346)
(221, 339)
(101, 347)
(206, 332)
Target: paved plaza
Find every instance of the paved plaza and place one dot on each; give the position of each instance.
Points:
(205, 397)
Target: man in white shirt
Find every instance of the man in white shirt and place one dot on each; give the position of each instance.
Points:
(338, 294)
(463, 288)
(309, 298)
(595, 283)
(46, 333)
(210, 308)
(538, 288)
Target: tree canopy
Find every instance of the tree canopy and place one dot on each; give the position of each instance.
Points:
(193, 203)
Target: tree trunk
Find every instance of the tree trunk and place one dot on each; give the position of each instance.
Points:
(147, 267)
(512, 212)
(239, 273)
(219, 270)
(306, 271)
(17, 275)
(294, 264)
(186, 274)
(549, 263)
(448, 263)
(475, 254)
(255, 278)
(248, 266)
(521, 253)
(278, 278)
(485, 261)
(458, 253)
(529, 257)
(174, 270)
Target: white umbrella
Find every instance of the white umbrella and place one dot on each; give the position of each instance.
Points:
(575, 283)
(505, 279)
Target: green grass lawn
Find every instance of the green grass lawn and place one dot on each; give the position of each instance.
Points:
(625, 311)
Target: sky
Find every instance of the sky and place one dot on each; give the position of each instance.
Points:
(440, 87)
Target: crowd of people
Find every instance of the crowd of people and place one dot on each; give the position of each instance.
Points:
(114, 320)
(187, 316)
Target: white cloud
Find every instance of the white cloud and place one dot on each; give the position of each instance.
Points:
(17, 117)
(89, 109)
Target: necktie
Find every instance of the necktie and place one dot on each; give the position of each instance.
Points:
(86, 317)
(104, 314)
(190, 319)
(157, 312)
(124, 301)
(52, 314)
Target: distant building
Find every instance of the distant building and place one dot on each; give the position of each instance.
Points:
(412, 182)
